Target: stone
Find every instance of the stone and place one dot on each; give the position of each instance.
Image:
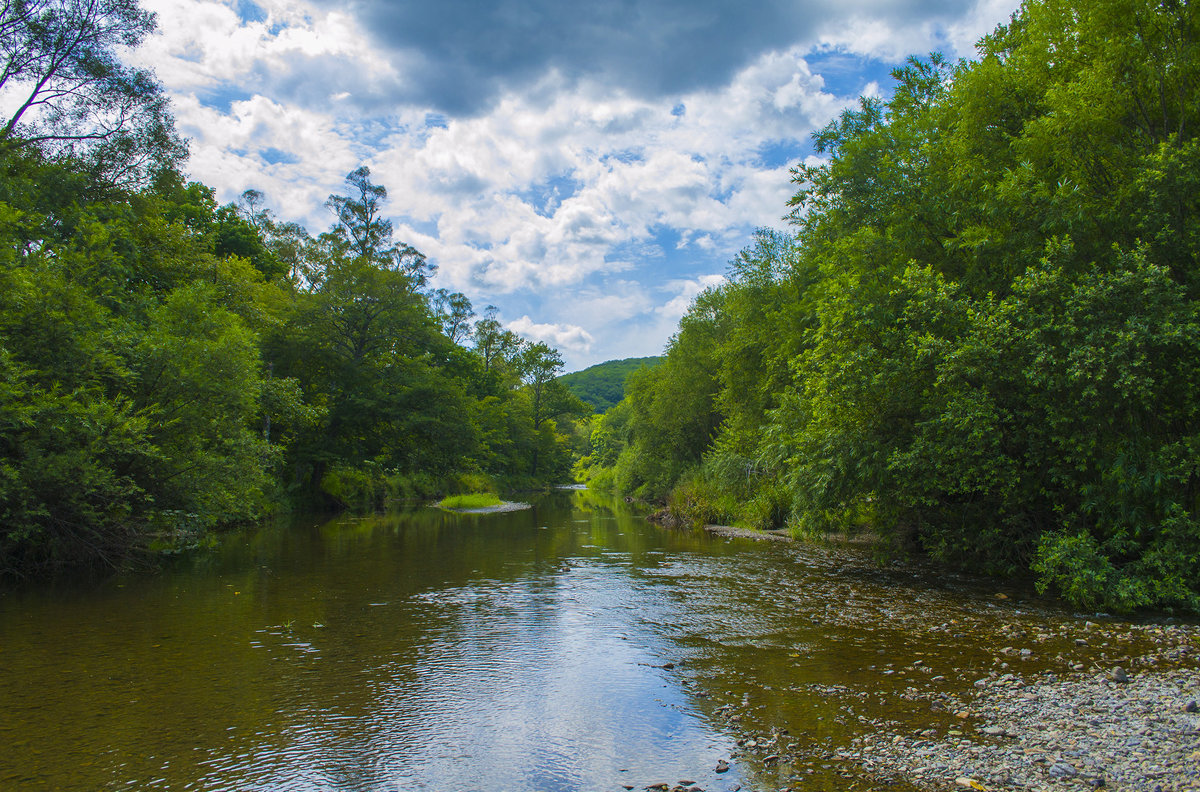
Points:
(1062, 770)
(722, 766)
(1118, 675)
(1191, 707)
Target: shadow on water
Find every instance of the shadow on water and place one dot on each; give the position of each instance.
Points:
(572, 646)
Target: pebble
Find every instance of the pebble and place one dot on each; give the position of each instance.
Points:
(1132, 736)
(1118, 675)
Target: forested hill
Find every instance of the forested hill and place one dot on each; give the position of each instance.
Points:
(603, 384)
(982, 338)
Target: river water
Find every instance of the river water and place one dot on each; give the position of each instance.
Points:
(571, 646)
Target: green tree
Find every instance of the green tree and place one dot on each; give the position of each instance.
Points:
(73, 96)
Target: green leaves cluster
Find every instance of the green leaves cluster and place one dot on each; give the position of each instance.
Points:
(170, 366)
(983, 339)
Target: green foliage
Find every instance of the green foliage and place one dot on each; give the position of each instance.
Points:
(165, 375)
(697, 501)
(603, 385)
(983, 340)
(71, 97)
(471, 500)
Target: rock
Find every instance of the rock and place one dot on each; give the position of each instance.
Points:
(993, 731)
(1118, 675)
(968, 783)
(661, 787)
(1191, 707)
(1062, 770)
(722, 766)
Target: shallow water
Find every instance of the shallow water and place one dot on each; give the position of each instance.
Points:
(573, 646)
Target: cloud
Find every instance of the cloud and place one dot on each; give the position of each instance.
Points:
(561, 336)
(585, 162)
(686, 292)
(460, 56)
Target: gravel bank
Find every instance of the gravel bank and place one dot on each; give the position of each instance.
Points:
(1134, 727)
(1084, 731)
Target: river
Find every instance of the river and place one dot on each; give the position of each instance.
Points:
(571, 646)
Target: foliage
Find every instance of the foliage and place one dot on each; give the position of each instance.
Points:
(170, 366)
(471, 500)
(69, 94)
(983, 338)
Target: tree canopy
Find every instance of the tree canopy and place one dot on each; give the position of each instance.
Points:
(67, 93)
(982, 340)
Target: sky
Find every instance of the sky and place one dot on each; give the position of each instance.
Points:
(586, 167)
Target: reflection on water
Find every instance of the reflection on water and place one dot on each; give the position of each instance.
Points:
(569, 647)
(414, 651)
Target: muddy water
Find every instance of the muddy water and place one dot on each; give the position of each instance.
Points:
(573, 646)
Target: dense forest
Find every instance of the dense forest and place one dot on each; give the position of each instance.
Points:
(603, 384)
(171, 365)
(982, 340)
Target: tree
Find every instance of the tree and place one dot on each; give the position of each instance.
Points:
(540, 364)
(454, 313)
(367, 236)
(69, 94)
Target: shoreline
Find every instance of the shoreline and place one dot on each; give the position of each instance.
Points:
(1046, 734)
(1085, 722)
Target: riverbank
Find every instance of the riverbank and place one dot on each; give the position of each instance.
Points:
(1048, 733)
(1079, 705)
(1045, 733)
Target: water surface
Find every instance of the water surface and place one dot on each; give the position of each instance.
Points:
(573, 646)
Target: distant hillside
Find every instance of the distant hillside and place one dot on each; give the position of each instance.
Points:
(603, 384)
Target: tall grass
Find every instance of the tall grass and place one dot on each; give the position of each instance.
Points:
(471, 500)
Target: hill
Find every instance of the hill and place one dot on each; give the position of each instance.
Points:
(603, 384)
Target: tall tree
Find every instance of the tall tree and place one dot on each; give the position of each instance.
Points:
(70, 95)
(367, 236)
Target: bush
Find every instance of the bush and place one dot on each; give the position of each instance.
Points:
(698, 501)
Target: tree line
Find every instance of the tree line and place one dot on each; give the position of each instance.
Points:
(981, 338)
(169, 365)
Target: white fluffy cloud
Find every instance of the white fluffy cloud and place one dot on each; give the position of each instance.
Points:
(561, 336)
(597, 207)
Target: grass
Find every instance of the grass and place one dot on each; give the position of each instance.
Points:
(473, 500)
